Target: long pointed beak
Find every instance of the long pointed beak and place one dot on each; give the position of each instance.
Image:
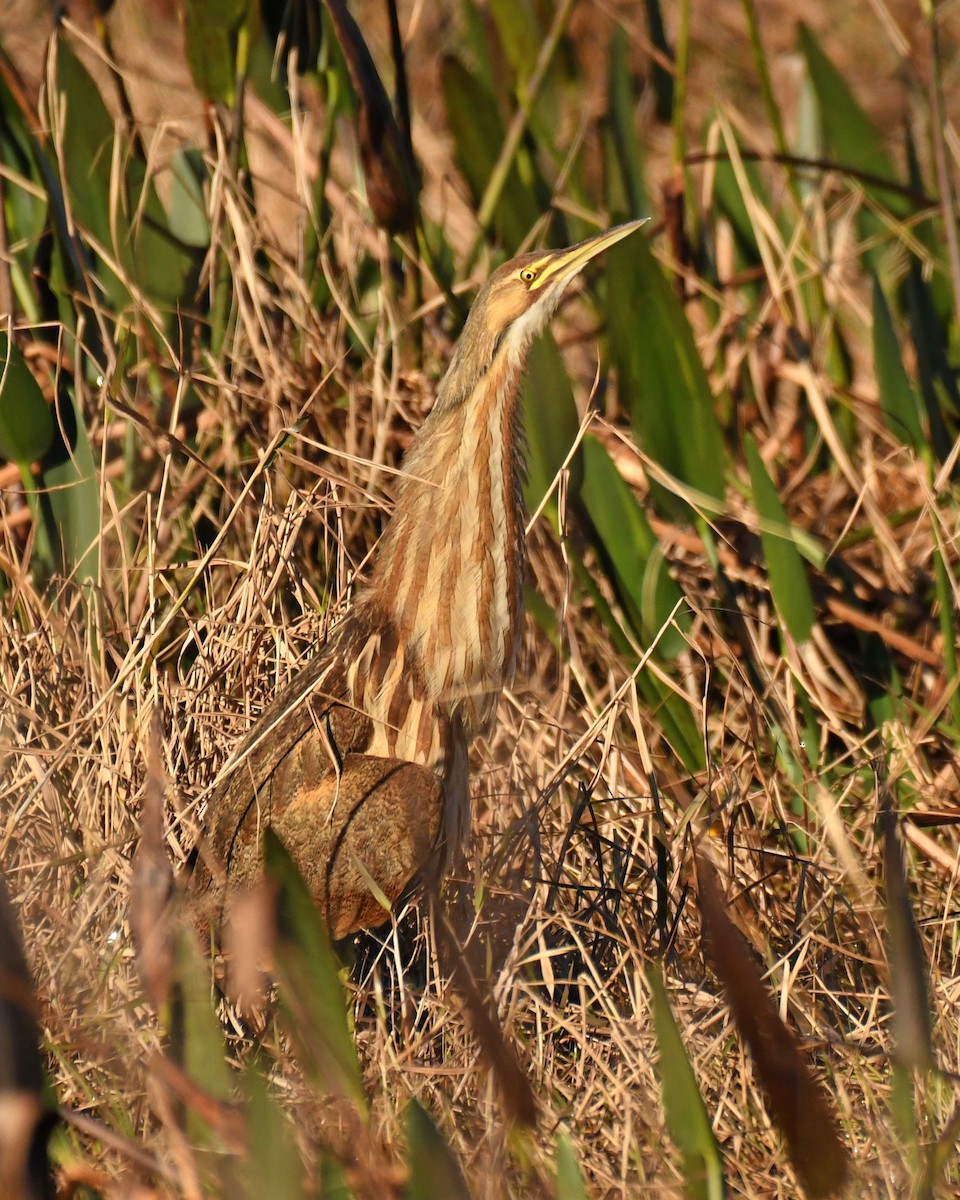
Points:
(564, 264)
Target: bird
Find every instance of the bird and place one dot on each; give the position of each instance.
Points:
(360, 764)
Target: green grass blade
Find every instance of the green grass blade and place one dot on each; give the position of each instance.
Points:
(26, 426)
(941, 1154)
(728, 190)
(187, 217)
(68, 473)
(899, 401)
(525, 134)
(159, 262)
(626, 154)
(478, 136)
(274, 1169)
(677, 720)
(663, 384)
(87, 164)
(434, 1171)
(550, 420)
(26, 206)
(931, 341)
(882, 685)
(142, 246)
(661, 77)
(686, 1115)
(332, 1180)
(853, 141)
(479, 47)
(928, 235)
(947, 612)
(210, 28)
(532, 51)
(910, 991)
(308, 982)
(850, 135)
(681, 64)
(88, 143)
(789, 585)
(197, 1042)
(761, 63)
(204, 1056)
(570, 1185)
(520, 34)
(903, 1108)
(629, 548)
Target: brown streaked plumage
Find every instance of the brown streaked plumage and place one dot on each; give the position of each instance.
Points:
(360, 764)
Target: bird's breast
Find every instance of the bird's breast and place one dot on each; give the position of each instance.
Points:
(451, 564)
(464, 625)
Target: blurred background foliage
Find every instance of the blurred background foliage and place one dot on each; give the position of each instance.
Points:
(238, 241)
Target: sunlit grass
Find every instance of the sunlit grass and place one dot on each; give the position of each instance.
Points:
(743, 597)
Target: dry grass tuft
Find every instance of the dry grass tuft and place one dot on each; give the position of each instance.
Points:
(235, 519)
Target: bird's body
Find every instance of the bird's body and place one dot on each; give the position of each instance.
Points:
(361, 763)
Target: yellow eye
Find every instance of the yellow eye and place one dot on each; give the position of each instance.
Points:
(528, 274)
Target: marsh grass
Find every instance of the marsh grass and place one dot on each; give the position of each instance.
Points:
(243, 473)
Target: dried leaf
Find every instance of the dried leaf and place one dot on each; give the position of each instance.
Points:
(797, 1102)
(908, 968)
(393, 184)
(249, 935)
(151, 886)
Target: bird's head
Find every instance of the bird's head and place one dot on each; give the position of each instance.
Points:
(515, 304)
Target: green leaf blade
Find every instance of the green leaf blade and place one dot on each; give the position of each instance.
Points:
(686, 1115)
(663, 383)
(550, 419)
(434, 1171)
(210, 28)
(308, 979)
(204, 1057)
(570, 1185)
(26, 426)
(901, 408)
(850, 134)
(274, 1169)
(68, 474)
(629, 547)
(478, 135)
(789, 585)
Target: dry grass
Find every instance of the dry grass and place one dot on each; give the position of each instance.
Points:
(222, 568)
(566, 841)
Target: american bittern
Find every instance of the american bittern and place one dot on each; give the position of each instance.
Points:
(360, 764)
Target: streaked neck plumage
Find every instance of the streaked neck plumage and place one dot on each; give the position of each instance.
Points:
(449, 568)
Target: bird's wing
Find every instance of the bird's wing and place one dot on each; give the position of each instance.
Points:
(310, 710)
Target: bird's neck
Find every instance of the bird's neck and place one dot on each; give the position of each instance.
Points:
(449, 569)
